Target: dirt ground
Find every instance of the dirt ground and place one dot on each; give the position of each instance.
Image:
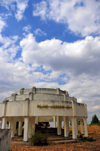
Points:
(94, 131)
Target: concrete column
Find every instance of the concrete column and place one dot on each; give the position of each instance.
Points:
(64, 97)
(36, 119)
(54, 121)
(82, 127)
(76, 127)
(33, 126)
(31, 96)
(85, 127)
(20, 128)
(13, 96)
(34, 89)
(58, 90)
(74, 133)
(9, 125)
(58, 125)
(21, 91)
(4, 123)
(26, 123)
(13, 128)
(66, 127)
(30, 128)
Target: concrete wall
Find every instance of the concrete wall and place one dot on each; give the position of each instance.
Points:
(79, 109)
(40, 96)
(51, 94)
(30, 108)
(47, 108)
(45, 91)
(46, 97)
(5, 136)
(42, 90)
(15, 108)
(50, 108)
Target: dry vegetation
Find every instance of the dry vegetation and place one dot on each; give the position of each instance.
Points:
(94, 131)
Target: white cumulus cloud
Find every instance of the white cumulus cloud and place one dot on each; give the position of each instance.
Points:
(81, 16)
(39, 32)
(18, 6)
(2, 24)
(79, 57)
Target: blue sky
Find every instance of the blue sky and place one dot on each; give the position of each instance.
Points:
(51, 43)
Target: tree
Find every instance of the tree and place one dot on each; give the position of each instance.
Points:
(95, 119)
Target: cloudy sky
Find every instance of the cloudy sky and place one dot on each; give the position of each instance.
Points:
(51, 43)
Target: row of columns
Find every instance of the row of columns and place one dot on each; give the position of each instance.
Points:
(29, 126)
(83, 124)
(66, 127)
(12, 126)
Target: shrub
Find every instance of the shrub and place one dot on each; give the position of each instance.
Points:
(39, 139)
(90, 139)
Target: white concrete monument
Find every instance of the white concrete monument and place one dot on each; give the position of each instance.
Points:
(43, 105)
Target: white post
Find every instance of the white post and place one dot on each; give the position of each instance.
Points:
(30, 129)
(26, 121)
(9, 125)
(85, 127)
(66, 127)
(33, 126)
(20, 128)
(13, 127)
(74, 135)
(58, 126)
(3, 123)
(76, 127)
(82, 128)
(54, 121)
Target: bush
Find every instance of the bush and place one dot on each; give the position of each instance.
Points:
(39, 139)
(90, 139)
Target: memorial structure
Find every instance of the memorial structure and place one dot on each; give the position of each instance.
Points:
(30, 106)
